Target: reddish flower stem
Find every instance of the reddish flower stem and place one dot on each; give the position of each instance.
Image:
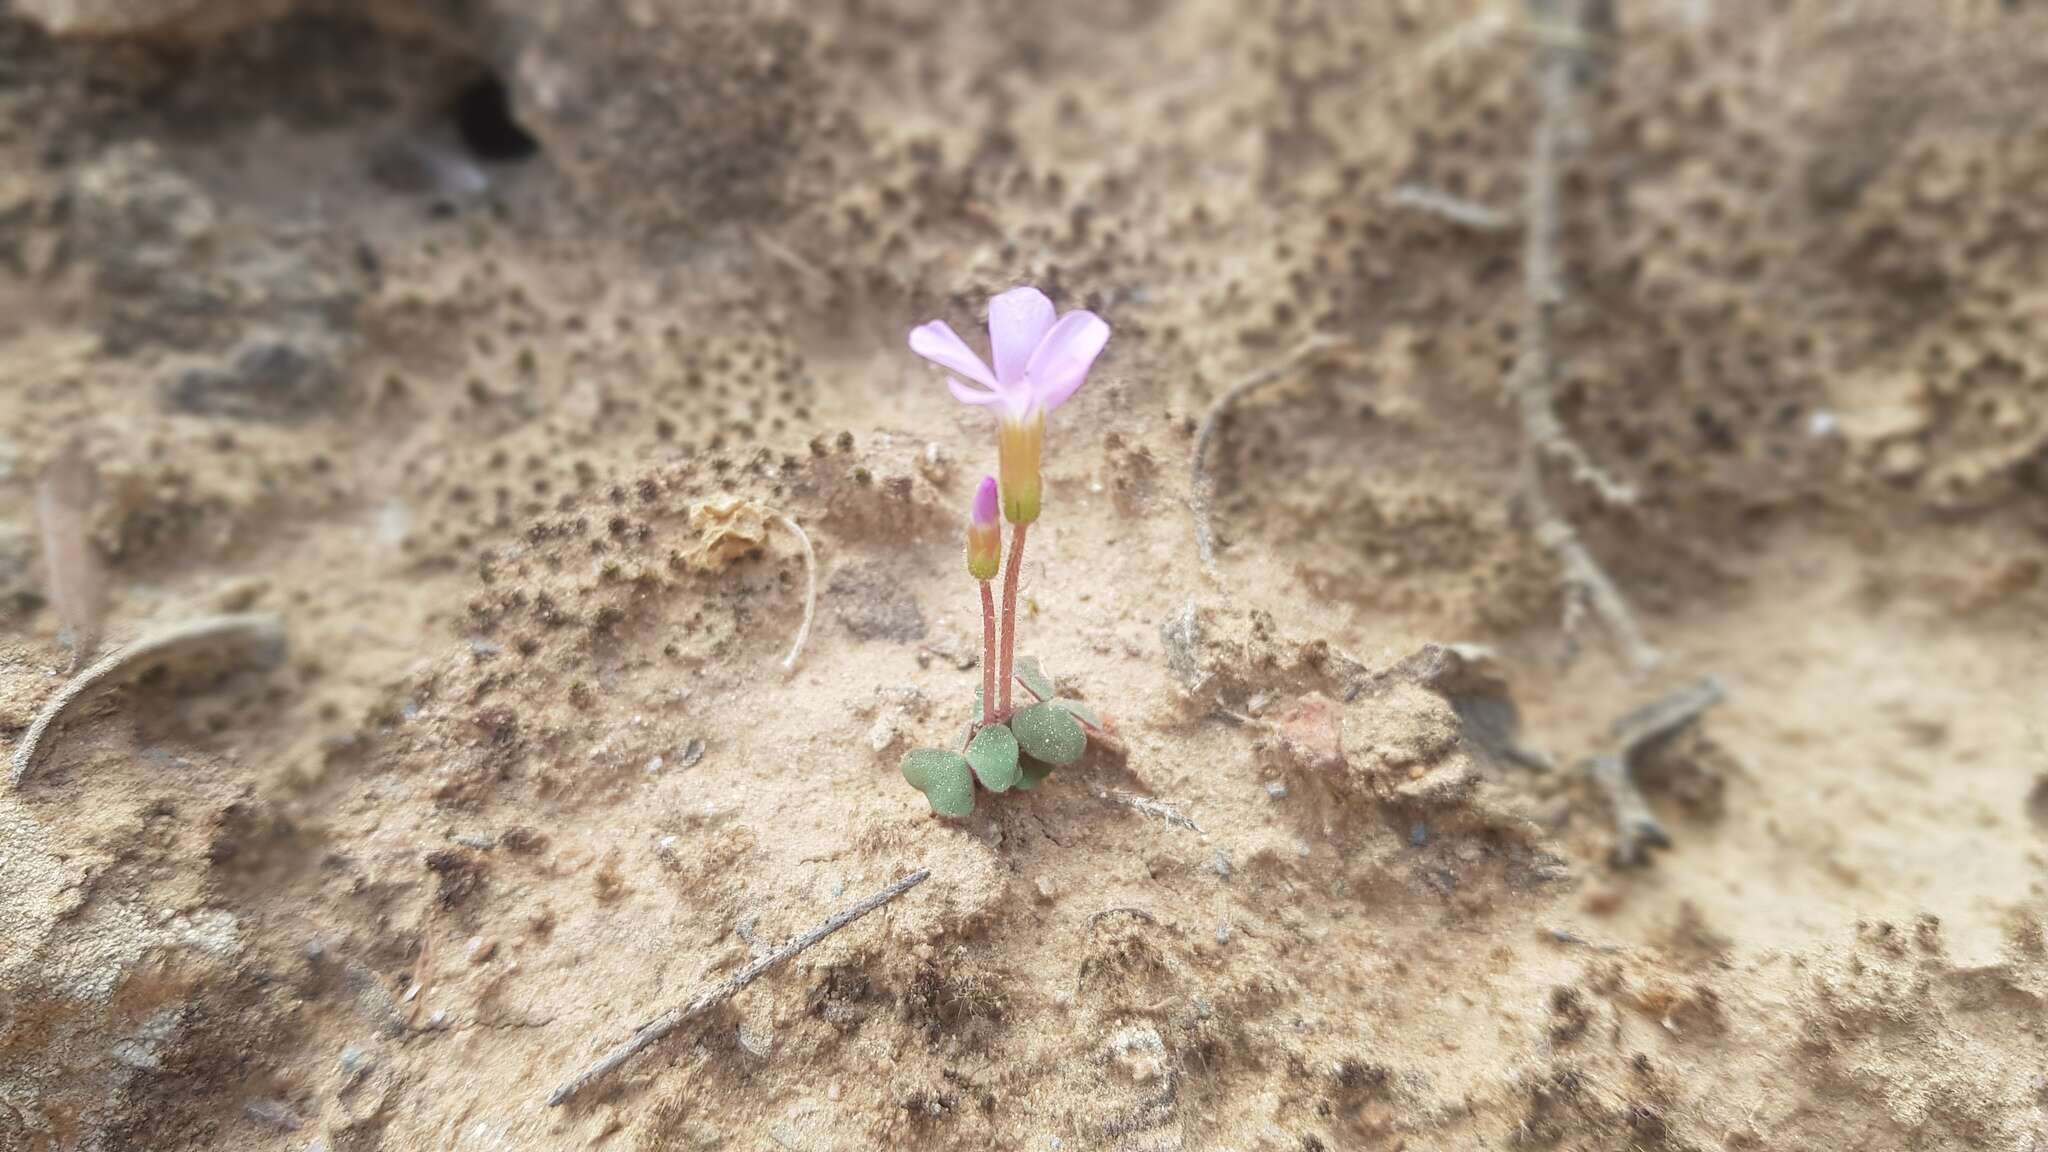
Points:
(1010, 617)
(988, 650)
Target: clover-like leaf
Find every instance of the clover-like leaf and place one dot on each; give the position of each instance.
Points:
(993, 754)
(945, 778)
(1031, 773)
(1033, 677)
(1049, 733)
(1082, 712)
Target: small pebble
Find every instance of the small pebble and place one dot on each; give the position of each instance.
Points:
(654, 764)
(1275, 790)
(1219, 864)
(275, 1113)
(693, 752)
(1048, 888)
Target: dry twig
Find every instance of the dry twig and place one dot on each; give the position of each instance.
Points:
(64, 498)
(803, 631)
(652, 1031)
(1203, 486)
(1636, 735)
(1456, 209)
(1145, 805)
(258, 634)
(1543, 436)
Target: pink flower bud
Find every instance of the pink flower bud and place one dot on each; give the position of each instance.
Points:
(984, 533)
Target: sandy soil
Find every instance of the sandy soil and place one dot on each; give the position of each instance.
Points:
(525, 776)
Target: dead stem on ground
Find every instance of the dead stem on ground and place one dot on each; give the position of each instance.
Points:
(1587, 585)
(803, 632)
(652, 1031)
(255, 638)
(1636, 735)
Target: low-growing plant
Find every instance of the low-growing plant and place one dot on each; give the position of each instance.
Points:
(1041, 360)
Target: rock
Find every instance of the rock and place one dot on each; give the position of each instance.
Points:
(1182, 636)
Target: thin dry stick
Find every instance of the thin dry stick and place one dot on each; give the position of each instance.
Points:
(1531, 380)
(1456, 209)
(1010, 576)
(669, 1021)
(1202, 485)
(257, 633)
(1155, 808)
(64, 498)
(803, 631)
(1637, 735)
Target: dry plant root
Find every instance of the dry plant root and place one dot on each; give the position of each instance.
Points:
(1202, 485)
(1636, 735)
(803, 631)
(652, 1031)
(254, 638)
(1587, 585)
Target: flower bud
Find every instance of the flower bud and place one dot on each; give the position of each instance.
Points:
(984, 533)
(1021, 442)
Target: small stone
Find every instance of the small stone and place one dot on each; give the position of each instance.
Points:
(1048, 888)
(1219, 863)
(693, 751)
(756, 1042)
(275, 1113)
(1275, 790)
(356, 1060)
(654, 764)
(481, 950)
(883, 734)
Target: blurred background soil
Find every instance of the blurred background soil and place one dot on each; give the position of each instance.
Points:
(423, 327)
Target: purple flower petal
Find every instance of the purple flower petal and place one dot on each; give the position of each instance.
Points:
(975, 396)
(938, 343)
(1060, 365)
(1017, 321)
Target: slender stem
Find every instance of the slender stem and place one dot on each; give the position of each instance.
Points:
(1010, 616)
(988, 651)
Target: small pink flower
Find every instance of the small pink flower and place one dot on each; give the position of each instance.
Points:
(1040, 361)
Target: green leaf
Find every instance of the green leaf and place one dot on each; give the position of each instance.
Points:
(945, 778)
(1030, 774)
(994, 757)
(1081, 711)
(1033, 677)
(1049, 733)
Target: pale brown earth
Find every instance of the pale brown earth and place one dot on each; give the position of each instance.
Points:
(447, 419)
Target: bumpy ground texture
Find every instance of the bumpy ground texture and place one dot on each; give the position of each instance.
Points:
(481, 347)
